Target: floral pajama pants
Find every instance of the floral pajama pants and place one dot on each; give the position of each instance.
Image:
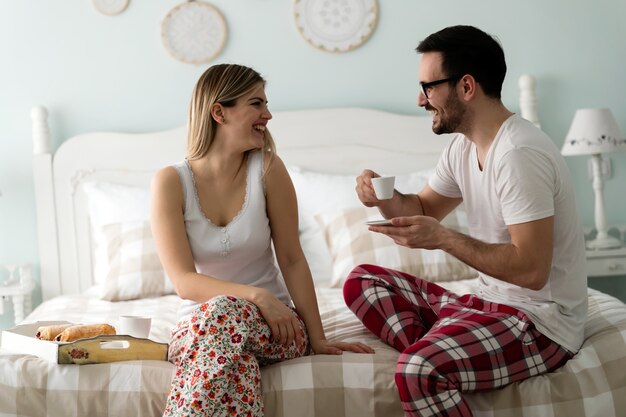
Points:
(449, 344)
(217, 353)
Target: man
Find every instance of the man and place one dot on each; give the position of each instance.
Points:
(525, 239)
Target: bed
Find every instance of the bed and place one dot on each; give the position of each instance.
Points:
(98, 261)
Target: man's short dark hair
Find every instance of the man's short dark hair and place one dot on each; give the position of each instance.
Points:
(469, 50)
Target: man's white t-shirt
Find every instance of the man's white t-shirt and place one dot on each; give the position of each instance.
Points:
(523, 178)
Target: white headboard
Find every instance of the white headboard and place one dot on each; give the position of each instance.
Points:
(333, 140)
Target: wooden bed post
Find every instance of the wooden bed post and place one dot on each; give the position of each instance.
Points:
(528, 99)
(44, 197)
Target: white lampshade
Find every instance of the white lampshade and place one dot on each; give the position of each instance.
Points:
(593, 131)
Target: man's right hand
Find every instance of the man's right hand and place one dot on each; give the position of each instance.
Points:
(365, 190)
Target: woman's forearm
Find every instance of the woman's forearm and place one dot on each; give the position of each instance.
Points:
(300, 285)
(201, 288)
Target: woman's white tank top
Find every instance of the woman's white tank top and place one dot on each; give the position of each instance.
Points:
(239, 252)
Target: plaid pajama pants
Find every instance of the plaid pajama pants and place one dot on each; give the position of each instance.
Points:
(217, 353)
(449, 344)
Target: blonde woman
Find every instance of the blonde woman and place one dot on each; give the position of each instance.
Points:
(214, 217)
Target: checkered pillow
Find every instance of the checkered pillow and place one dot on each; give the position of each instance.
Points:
(351, 243)
(135, 270)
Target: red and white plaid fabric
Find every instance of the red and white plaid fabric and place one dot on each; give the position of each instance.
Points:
(449, 344)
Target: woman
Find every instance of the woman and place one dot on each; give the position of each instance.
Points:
(214, 217)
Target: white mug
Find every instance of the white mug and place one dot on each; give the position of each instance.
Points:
(135, 326)
(383, 187)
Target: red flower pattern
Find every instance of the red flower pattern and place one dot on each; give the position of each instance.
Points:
(218, 352)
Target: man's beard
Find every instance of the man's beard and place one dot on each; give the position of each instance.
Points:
(453, 118)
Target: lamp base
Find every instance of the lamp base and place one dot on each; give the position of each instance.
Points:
(605, 242)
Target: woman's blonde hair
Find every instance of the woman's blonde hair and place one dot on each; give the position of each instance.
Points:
(223, 84)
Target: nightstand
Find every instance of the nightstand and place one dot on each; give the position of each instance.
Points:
(17, 288)
(607, 262)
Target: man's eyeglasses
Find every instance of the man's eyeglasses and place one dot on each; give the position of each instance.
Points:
(426, 87)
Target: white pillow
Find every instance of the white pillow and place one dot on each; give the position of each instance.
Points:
(351, 244)
(109, 203)
(135, 270)
(319, 192)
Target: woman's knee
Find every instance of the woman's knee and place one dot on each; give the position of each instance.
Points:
(221, 304)
(216, 318)
(216, 311)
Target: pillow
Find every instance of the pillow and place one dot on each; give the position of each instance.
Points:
(134, 267)
(351, 243)
(109, 203)
(319, 192)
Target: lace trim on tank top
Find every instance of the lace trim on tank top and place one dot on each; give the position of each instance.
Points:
(225, 239)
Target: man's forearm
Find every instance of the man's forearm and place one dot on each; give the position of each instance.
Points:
(502, 261)
(402, 205)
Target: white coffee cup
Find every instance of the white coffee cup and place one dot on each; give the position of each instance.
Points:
(383, 187)
(135, 326)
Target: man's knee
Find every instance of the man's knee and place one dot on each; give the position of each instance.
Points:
(417, 377)
(412, 368)
(353, 286)
(361, 271)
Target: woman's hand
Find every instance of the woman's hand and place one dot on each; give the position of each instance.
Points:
(337, 348)
(284, 324)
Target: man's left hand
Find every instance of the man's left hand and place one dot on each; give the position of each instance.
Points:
(416, 232)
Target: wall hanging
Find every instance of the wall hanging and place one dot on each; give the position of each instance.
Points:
(194, 32)
(110, 7)
(336, 25)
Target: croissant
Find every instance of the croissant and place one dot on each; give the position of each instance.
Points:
(50, 332)
(84, 331)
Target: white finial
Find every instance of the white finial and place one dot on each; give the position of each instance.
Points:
(41, 137)
(528, 99)
(526, 82)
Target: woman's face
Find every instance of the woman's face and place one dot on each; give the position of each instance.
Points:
(247, 120)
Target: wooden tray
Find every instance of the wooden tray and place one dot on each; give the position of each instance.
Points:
(102, 349)
(99, 349)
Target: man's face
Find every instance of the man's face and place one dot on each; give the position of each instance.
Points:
(447, 109)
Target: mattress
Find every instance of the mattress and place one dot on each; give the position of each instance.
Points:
(593, 383)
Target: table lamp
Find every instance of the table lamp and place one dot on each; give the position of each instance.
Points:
(594, 132)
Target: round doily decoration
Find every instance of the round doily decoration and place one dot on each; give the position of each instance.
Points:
(336, 25)
(110, 7)
(194, 32)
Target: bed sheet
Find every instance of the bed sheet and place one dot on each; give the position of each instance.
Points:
(592, 384)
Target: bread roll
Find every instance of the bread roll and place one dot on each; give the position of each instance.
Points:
(84, 331)
(50, 332)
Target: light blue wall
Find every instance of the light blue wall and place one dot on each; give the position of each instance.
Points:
(96, 72)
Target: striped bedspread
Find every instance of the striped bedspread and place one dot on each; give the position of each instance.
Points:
(351, 385)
